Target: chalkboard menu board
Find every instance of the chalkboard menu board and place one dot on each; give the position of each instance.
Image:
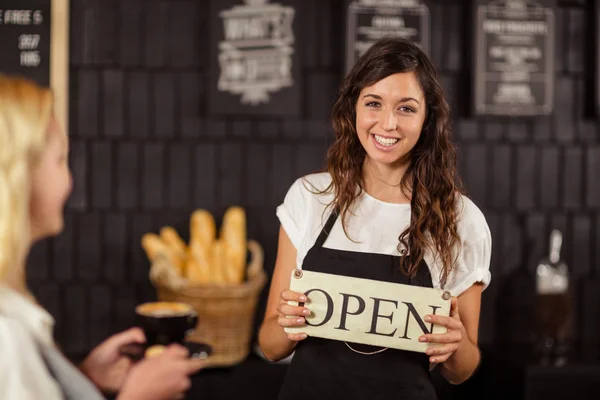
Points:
(371, 20)
(25, 38)
(34, 44)
(255, 64)
(514, 57)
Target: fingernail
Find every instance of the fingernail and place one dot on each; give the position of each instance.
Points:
(428, 351)
(432, 359)
(300, 320)
(422, 339)
(427, 318)
(306, 312)
(303, 336)
(302, 298)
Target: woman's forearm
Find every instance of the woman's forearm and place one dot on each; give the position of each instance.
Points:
(462, 364)
(273, 340)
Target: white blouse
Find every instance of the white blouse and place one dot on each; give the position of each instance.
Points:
(31, 367)
(23, 327)
(374, 227)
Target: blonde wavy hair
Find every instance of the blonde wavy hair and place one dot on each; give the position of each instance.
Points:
(25, 114)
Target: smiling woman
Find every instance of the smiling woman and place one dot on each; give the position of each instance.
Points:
(389, 118)
(388, 209)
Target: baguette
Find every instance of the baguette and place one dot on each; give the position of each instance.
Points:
(198, 268)
(202, 237)
(233, 234)
(170, 236)
(216, 263)
(202, 228)
(155, 247)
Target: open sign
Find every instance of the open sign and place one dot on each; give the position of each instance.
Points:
(368, 312)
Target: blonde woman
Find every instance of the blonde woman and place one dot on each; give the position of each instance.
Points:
(35, 183)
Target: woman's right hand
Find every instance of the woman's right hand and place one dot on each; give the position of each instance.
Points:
(161, 377)
(297, 313)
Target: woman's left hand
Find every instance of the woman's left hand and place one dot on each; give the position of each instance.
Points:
(450, 341)
(105, 366)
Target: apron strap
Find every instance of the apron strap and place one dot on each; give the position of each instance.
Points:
(326, 229)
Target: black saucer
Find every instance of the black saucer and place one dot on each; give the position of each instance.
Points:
(136, 351)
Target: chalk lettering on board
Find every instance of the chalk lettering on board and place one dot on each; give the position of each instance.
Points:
(18, 17)
(30, 58)
(28, 42)
(514, 57)
(38, 17)
(28, 31)
(256, 55)
(371, 20)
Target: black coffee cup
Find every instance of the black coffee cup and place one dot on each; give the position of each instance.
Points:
(165, 322)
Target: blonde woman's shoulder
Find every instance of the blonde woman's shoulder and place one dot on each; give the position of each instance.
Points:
(23, 373)
(10, 331)
(15, 341)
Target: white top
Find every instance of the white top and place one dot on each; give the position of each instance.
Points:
(375, 227)
(28, 353)
(23, 373)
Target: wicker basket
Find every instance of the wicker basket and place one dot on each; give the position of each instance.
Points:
(225, 312)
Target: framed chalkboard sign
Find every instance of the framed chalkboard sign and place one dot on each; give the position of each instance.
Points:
(34, 44)
(514, 57)
(371, 20)
(255, 63)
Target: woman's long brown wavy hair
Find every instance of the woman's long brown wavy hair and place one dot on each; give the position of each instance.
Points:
(430, 181)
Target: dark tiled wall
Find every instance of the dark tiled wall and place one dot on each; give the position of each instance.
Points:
(145, 154)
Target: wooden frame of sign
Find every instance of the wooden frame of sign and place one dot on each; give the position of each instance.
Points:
(370, 20)
(368, 312)
(513, 62)
(595, 20)
(59, 60)
(35, 45)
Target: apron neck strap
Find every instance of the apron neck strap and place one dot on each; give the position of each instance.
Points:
(327, 228)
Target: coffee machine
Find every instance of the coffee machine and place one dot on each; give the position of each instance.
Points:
(553, 306)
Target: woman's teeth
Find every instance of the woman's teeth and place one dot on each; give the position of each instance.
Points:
(386, 141)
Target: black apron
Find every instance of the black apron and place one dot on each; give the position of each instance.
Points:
(329, 369)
